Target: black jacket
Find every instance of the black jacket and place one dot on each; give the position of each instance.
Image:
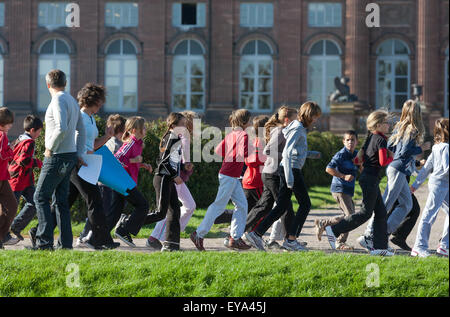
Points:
(169, 161)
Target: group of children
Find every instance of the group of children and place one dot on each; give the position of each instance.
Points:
(272, 153)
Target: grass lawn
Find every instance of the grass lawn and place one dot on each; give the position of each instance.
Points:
(109, 273)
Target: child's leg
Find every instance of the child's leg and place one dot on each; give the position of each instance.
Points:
(265, 202)
(27, 213)
(252, 196)
(117, 206)
(436, 197)
(240, 212)
(380, 235)
(172, 233)
(348, 208)
(405, 204)
(226, 188)
(8, 208)
(134, 223)
(444, 239)
(278, 232)
(409, 222)
(301, 193)
(188, 207)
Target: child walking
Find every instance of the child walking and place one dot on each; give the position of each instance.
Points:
(273, 150)
(294, 155)
(167, 176)
(130, 156)
(184, 195)
(234, 150)
(8, 203)
(404, 142)
(22, 177)
(342, 189)
(375, 155)
(437, 166)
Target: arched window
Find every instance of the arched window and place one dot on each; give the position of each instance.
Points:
(324, 64)
(53, 54)
(256, 76)
(446, 93)
(121, 76)
(393, 74)
(188, 76)
(1, 76)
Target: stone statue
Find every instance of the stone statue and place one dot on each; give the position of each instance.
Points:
(342, 92)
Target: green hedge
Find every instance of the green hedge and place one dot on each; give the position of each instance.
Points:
(203, 183)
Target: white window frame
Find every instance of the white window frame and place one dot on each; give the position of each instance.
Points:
(256, 59)
(266, 21)
(54, 58)
(177, 17)
(46, 6)
(446, 84)
(392, 59)
(2, 14)
(121, 58)
(324, 58)
(336, 14)
(120, 8)
(188, 59)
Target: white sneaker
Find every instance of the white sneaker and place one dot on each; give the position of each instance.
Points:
(366, 243)
(87, 237)
(381, 252)
(79, 243)
(331, 237)
(293, 246)
(256, 241)
(442, 252)
(420, 253)
(11, 240)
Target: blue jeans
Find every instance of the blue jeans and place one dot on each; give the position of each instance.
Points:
(53, 184)
(28, 211)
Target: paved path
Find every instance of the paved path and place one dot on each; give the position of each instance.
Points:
(307, 235)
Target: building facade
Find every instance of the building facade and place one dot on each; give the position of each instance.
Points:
(213, 56)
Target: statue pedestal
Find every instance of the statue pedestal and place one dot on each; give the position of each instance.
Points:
(348, 116)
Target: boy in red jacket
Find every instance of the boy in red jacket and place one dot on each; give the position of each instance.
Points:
(21, 175)
(8, 203)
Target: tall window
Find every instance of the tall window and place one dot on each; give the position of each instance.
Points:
(189, 15)
(52, 14)
(2, 14)
(446, 92)
(393, 74)
(121, 14)
(256, 74)
(188, 76)
(322, 14)
(256, 14)
(53, 54)
(324, 65)
(121, 71)
(1, 76)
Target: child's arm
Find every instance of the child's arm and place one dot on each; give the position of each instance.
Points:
(220, 148)
(25, 158)
(6, 153)
(333, 171)
(423, 174)
(287, 157)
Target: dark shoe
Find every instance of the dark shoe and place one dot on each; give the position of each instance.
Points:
(401, 243)
(1, 246)
(153, 243)
(197, 241)
(170, 246)
(32, 234)
(238, 244)
(39, 248)
(17, 234)
(125, 237)
(10, 240)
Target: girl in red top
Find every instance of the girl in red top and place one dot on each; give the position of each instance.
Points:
(8, 202)
(130, 156)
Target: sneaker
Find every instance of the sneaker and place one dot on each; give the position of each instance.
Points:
(121, 220)
(293, 246)
(198, 242)
(344, 247)
(10, 240)
(17, 234)
(401, 243)
(319, 225)
(442, 252)
(80, 242)
(331, 237)
(381, 252)
(273, 245)
(420, 253)
(125, 237)
(226, 241)
(255, 240)
(153, 243)
(32, 234)
(366, 243)
(238, 244)
(170, 246)
(87, 237)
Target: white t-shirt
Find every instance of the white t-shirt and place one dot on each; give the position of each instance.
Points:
(91, 130)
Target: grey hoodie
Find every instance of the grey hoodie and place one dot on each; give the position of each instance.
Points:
(296, 150)
(437, 165)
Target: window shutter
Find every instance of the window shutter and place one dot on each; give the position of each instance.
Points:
(176, 14)
(201, 14)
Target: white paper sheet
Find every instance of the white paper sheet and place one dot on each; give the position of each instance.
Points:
(91, 172)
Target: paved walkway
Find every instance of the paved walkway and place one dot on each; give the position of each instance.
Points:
(307, 235)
